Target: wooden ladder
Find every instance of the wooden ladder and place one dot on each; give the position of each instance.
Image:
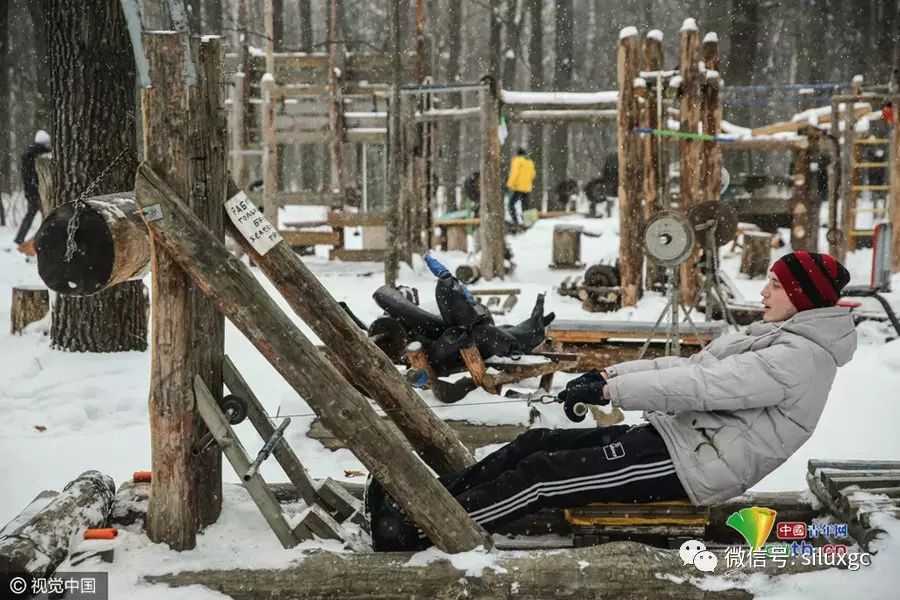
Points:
(857, 167)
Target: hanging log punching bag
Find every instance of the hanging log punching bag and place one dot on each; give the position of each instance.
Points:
(111, 245)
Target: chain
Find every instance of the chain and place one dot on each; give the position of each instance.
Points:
(72, 226)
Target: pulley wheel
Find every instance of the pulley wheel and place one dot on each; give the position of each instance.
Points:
(668, 238)
(702, 214)
(390, 336)
(234, 408)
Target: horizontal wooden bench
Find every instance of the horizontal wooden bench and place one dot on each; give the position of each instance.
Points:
(670, 523)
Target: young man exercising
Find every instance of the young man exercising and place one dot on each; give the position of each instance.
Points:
(717, 422)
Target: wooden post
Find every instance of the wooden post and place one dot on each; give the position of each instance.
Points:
(567, 246)
(848, 178)
(653, 61)
(336, 70)
(240, 297)
(30, 303)
(354, 351)
(710, 153)
(689, 149)
(491, 227)
(801, 207)
(835, 243)
(44, 167)
(271, 185)
(756, 253)
(184, 136)
(630, 215)
(815, 200)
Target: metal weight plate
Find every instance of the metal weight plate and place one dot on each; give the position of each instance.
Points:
(234, 407)
(668, 238)
(702, 214)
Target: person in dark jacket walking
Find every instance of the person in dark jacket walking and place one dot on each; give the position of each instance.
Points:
(717, 422)
(28, 168)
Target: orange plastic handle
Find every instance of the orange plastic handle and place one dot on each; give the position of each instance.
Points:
(101, 534)
(140, 476)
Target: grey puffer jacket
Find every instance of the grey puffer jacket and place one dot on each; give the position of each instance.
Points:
(738, 409)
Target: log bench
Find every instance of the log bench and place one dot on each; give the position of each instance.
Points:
(453, 233)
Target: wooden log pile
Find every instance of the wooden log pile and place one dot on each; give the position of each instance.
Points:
(43, 541)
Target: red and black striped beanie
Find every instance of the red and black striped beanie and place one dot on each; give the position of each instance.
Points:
(811, 280)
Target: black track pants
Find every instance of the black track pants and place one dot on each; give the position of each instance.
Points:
(564, 468)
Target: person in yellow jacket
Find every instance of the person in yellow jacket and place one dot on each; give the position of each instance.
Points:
(520, 182)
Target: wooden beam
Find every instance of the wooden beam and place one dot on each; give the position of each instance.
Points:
(801, 207)
(336, 69)
(492, 209)
(555, 116)
(764, 144)
(310, 238)
(443, 115)
(350, 346)
(233, 288)
(304, 198)
(785, 126)
(710, 151)
(348, 219)
(689, 149)
(629, 145)
(618, 569)
(185, 138)
(356, 255)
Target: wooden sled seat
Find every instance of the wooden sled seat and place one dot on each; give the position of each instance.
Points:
(666, 524)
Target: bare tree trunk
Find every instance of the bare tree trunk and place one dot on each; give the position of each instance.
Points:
(451, 136)
(395, 165)
(5, 184)
(40, 23)
(194, 16)
(536, 66)
(90, 129)
(309, 175)
(495, 47)
(514, 22)
(562, 82)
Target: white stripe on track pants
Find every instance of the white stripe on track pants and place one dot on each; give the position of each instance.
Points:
(564, 468)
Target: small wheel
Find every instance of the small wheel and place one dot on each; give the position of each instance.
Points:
(234, 407)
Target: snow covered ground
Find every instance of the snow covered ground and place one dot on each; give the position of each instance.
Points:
(92, 413)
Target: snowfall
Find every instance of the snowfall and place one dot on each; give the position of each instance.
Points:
(65, 413)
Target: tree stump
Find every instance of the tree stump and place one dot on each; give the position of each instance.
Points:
(566, 247)
(755, 255)
(30, 303)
